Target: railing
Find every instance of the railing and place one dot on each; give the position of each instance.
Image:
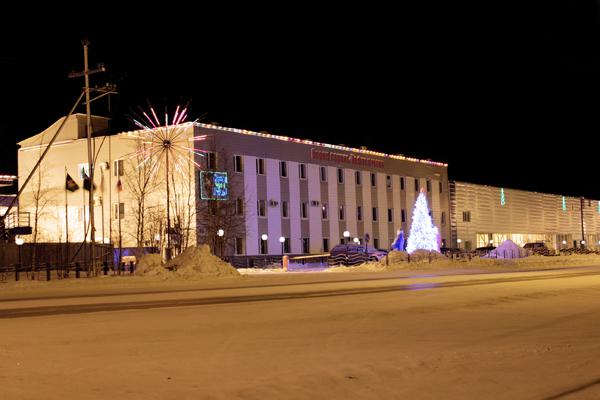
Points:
(18, 219)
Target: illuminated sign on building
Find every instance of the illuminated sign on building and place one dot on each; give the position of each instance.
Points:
(213, 185)
(355, 159)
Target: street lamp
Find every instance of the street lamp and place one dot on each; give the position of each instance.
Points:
(491, 242)
(346, 236)
(459, 241)
(220, 234)
(564, 242)
(356, 240)
(282, 241)
(264, 238)
(19, 241)
(582, 244)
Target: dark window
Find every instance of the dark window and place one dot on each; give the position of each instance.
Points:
(262, 208)
(417, 184)
(303, 210)
(305, 245)
(238, 163)
(374, 213)
(466, 216)
(359, 213)
(443, 219)
(402, 183)
(286, 246)
(390, 215)
(211, 160)
(388, 182)
(283, 169)
(325, 211)
(263, 246)
(340, 175)
(403, 215)
(325, 244)
(260, 166)
(357, 175)
(376, 243)
(239, 246)
(239, 206)
(118, 167)
(342, 214)
(428, 186)
(323, 174)
(441, 187)
(119, 210)
(373, 179)
(284, 209)
(302, 171)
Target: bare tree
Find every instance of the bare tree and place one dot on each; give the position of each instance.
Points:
(226, 214)
(40, 198)
(140, 182)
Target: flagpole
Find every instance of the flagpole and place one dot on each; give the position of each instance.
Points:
(66, 215)
(84, 224)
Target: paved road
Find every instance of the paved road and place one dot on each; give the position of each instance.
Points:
(527, 335)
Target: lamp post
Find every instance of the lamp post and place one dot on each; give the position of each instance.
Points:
(264, 238)
(356, 240)
(19, 241)
(583, 244)
(282, 241)
(564, 243)
(220, 234)
(346, 236)
(458, 242)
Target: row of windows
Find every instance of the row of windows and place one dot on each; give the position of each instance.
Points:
(283, 172)
(262, 211)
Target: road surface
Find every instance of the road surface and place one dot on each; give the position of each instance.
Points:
(528, 335)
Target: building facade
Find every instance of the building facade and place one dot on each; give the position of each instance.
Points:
(485, 215)
(307, 193)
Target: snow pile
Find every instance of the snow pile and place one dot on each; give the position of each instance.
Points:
(147, 263)
(425, 255)
(395, 257)
(508, 249)
(193, 263)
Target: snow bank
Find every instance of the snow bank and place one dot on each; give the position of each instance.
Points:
(193, 263)
(147, 263)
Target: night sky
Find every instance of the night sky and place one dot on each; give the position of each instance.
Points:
(507, 97)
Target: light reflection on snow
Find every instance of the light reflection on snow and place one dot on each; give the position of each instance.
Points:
(420, 286)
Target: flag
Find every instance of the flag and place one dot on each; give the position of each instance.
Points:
(119, 186)
(86, 182)
(70, 184)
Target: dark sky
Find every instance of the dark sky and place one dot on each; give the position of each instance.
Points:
(508, 97)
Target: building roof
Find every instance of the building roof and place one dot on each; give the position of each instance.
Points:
(73, 129)
(305, 141)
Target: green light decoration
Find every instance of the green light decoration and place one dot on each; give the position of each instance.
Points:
(502, 198)
(564, 203)
(599, 207)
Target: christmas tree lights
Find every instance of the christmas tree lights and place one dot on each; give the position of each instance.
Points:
(423, 234)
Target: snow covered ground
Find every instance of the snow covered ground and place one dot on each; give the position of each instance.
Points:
(506, 335)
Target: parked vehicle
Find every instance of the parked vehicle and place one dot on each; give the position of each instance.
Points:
(372, 254)
(537, 248)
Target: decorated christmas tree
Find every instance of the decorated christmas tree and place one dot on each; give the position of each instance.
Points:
(423, 234)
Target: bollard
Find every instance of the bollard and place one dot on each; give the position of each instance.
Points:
(77, 271)
(48, 270)
(387, 260)
(17, 267)
(131, 267)
(408, 258)
(429, 256)
(285, 262)
(105, 267)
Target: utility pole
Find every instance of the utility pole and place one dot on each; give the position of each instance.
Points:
(582, 243)
(86, 74)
